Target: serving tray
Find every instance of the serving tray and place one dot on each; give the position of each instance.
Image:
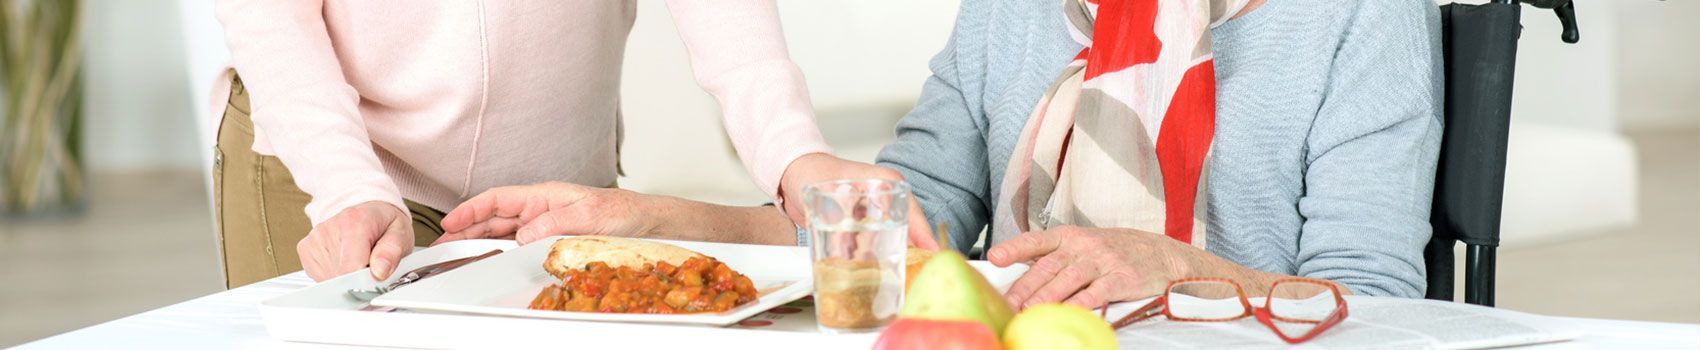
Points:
(323, 313)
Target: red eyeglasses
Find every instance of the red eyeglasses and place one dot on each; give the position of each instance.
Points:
(1292, 301)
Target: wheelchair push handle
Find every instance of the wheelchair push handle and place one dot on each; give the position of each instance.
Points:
(1566, 11)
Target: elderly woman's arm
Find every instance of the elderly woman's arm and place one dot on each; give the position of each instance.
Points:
(941, 149)
(1372, 154)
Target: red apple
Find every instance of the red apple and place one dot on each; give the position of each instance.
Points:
(914, 333)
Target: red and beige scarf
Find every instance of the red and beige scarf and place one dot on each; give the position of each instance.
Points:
(1122, 137)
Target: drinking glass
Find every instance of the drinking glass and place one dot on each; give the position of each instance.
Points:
(859, 234)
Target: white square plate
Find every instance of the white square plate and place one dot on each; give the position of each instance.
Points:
(505, 284)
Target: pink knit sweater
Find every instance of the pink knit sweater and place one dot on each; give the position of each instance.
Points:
(436, 101)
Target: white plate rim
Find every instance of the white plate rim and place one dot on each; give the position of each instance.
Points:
(796, 289)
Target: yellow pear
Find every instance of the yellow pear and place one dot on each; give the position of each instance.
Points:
(1058, 327)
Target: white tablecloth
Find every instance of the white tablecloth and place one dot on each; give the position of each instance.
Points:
(231, 320)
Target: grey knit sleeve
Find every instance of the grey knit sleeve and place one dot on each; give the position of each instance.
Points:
(1372, 151)
(941, 148)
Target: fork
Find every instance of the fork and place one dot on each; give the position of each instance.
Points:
(367, 295)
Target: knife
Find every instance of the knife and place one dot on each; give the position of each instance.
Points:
(367, 295)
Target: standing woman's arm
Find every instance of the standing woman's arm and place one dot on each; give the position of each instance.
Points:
(309, 115)
(300, 99)
(738, 55)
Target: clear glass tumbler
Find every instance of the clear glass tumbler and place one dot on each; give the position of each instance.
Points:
(859, 232)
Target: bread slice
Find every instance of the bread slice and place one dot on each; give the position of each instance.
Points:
(574, 252)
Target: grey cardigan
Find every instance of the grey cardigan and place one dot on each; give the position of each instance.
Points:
(1327, 129)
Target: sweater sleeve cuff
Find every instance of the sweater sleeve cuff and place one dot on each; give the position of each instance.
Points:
(770, 168)
(323, 208)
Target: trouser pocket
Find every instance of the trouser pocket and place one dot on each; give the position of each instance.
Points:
(261, 213)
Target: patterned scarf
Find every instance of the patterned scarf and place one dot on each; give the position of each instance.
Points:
(1122, 137)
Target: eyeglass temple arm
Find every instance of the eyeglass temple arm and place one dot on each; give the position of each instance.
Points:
(1151, 309)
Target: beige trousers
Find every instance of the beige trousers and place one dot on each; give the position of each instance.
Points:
(261, 213)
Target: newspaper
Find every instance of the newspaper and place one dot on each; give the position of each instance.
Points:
(1373, 323)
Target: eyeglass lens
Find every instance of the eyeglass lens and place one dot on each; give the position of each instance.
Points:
(1205, 301)
(1297, 306)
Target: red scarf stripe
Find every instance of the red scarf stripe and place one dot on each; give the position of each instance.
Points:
(1188, 127)
(1123, 35)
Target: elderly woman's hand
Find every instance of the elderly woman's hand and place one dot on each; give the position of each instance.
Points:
(532, 212)
(1092, 267)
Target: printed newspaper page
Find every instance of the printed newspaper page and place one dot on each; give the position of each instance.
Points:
(1380, 323)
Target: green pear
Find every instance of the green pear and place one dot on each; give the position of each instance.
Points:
(948, 289)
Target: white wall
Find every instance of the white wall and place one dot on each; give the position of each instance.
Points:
(1568, 84)
(1659, 52)
(137, 111)
(858, 56)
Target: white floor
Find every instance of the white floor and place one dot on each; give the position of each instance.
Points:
(146, 242)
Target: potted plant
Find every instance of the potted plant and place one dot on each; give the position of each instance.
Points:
(41, 63)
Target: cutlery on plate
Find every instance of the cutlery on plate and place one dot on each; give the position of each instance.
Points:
(418, 274)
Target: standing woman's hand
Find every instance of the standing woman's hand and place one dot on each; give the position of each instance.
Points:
(375, 234)
(821, 167)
